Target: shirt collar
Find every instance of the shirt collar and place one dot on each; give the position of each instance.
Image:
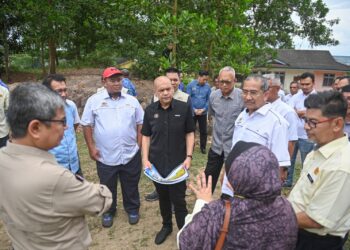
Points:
(262, 110)
(333, 146)
(106, 95)
(16, 148)
(200, 84)
(231, 95)
(312, 92)
(170, 107)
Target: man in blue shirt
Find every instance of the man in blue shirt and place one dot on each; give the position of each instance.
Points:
(66, 153)
(128, 84)
(199, 91)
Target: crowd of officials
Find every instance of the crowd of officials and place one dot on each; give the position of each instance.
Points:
(257, 134)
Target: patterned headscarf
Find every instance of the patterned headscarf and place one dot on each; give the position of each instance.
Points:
(260, 217)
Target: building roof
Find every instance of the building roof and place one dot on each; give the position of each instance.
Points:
(307, 59)
(343, 59)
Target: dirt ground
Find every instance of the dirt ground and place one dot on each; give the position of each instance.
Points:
(83, 83)
(122, 235)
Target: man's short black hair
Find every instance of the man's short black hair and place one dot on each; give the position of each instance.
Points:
(345, 89)
(203, 73)
(331, 103)
(306, 75)
(53, 77)
(338, 78)
(172, 70)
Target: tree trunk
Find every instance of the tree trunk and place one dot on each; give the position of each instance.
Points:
(42, 58)
(6, 53)
(174, 61)
(52, 56)
(210, 55)
(77, 51)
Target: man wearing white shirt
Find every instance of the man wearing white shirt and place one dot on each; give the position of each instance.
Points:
(259, 123)
(285, 111)
(307, 83)
(293, 89)
(112, 123)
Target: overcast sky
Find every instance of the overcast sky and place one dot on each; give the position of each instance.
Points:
(337, 9)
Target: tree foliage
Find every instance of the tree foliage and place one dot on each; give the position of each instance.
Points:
(201, 33)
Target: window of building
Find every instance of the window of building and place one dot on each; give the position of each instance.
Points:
(328, 80)
(281, 75)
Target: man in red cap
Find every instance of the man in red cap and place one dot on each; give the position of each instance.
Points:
(112, 124)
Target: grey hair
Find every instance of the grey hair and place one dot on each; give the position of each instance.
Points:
(229, 69)
(276, 82)
(30, 101)
(259, 78)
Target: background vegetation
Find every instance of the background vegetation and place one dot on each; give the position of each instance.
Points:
(154, 34)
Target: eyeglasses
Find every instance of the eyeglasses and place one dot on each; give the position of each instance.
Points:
(252, 93)
(62, 121)
(227, 82)
(313, 124)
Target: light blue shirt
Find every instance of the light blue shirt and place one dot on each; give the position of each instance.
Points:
(199, 95)
(3, 84)
(130, 86)
(114, 123)
(66, 153)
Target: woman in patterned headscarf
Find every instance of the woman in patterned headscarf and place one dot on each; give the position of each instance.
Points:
(260, 217)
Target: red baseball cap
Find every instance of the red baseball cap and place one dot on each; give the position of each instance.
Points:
(108, 72)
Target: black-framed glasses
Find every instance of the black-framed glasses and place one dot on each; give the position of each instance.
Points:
(63, 121)
(313, 124)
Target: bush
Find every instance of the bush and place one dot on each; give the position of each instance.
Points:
(22, 62)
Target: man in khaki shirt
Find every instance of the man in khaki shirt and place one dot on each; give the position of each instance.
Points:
(43, 205)
(320, 198)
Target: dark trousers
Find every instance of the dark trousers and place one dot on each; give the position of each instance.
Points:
(202, 122)
(129, 176)
(213, 168)
(311, 241)
(174, 194)
(3, 141)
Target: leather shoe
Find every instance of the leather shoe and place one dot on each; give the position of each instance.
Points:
(203, 151)
(162, 235)
(133, 219)
(107, 220)
(152, 196)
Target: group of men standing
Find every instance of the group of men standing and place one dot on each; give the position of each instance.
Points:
(117, 129)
